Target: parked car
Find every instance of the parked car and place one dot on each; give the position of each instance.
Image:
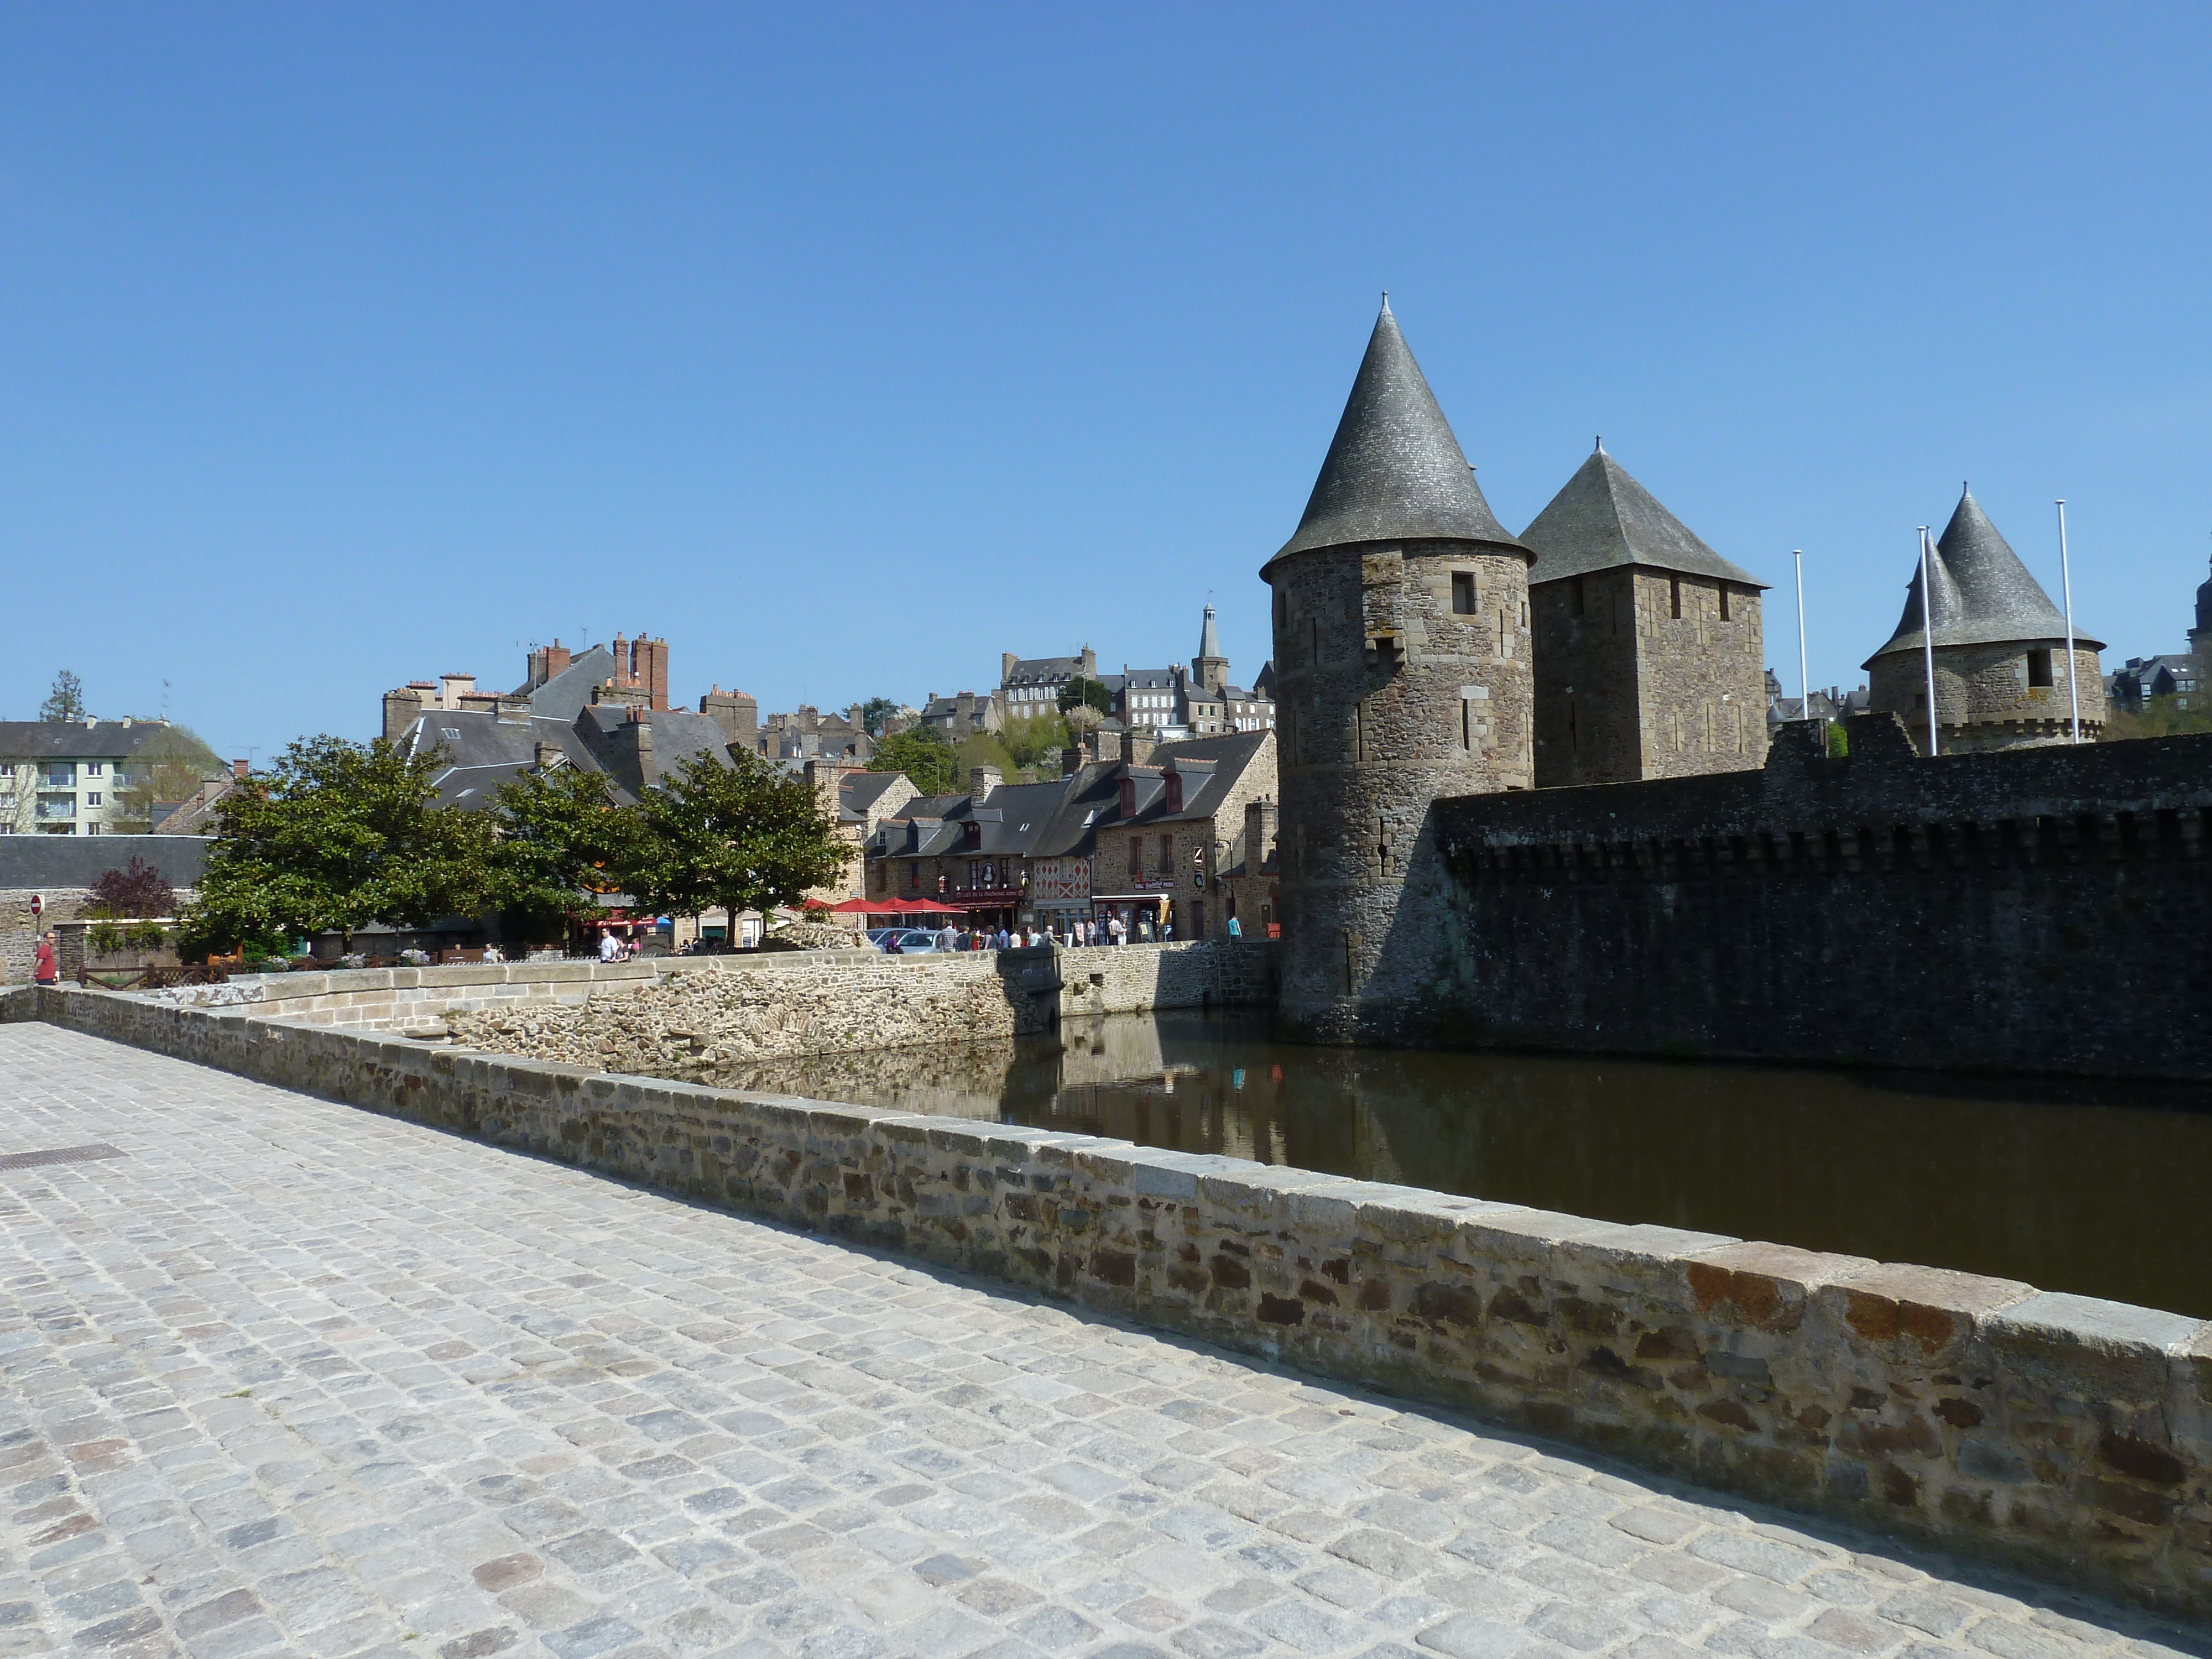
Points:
(912, 941)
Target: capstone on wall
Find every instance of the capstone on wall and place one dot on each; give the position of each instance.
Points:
(1388, 695)
(1984, 696)
(1644, 673)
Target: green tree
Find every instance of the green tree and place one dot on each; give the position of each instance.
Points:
(984, 748)
(171, 765)
(744, 835)
(560, 835)
(65, 701)
(1079, 692)
(1036, 737)
(923, 754)
(2160, 717)
(875, 712)
(335, 835)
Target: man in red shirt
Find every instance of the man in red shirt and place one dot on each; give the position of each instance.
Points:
(47, 968)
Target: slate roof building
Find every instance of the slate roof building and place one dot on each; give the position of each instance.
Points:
(70, 777)
(1651, 659)
(1029, 686)
(1401, 659)
(1999, 646)
(1140, 839)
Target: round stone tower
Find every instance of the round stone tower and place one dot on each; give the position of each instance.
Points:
(1402, 674)
(1999, 650)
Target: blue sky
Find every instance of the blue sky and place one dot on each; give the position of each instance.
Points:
(846, 347)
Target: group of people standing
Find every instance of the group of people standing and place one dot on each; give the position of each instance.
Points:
(1114, 930)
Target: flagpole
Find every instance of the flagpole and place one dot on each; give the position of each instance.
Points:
(1927, 637)
(2066, 586)
(1804, 683)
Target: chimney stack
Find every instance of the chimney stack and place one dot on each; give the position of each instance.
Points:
(239, 769)
(549, 754)
(451, 688)
(982, 779)
(1258, 833)
(738, 715)
(1071, 761)
(634, 743)
(546, 661)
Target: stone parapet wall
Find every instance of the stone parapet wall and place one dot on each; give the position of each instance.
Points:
(707, 1027)
(1138, 979)
(2069, 1437)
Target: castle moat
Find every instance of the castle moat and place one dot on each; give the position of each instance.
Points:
(2071, 1185)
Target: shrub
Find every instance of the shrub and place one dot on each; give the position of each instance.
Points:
(136, 889)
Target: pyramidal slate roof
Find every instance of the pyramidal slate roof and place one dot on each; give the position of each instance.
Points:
(1394, 472)
(1984, 594)
(1602, 518)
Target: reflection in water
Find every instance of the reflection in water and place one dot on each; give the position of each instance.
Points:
(2080, 1186)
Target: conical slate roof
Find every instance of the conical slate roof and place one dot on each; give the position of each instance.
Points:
(1394, 472)
(1984, 594)
(1602, 518)
(1209, 642)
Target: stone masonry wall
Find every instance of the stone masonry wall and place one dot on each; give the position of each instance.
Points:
(2069, 1437)
(708, 1028)
(1983, 699)
(1988, 911)
(1387, 698)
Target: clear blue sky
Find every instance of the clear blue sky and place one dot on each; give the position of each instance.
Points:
(341, 345)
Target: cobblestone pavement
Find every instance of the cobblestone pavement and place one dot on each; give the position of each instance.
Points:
(287, 1377)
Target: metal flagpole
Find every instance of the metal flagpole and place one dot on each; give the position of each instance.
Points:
(2066, 585)
(1804, 684)
(1927, 636)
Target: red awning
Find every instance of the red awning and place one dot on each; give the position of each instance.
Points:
(919, 907)
(849, 907)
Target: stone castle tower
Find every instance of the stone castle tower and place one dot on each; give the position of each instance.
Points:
(1402, 674)
(2000, 647)
(1650, 657)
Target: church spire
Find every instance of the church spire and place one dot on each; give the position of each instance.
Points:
(1394, 472)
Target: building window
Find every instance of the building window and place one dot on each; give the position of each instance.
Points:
(1463, 593)
(92, 768)
(1675, 597)
(1167, 853)
(2038, 667)
(1136, 858)
(1724, 608)
(92, 797)
(1579, 601)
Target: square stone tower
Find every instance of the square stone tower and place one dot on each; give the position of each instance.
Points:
(1651, 659)
(1402, 674)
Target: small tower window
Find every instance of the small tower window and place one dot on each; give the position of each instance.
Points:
(1463, 593)
(1578, 596)
(2038, 667)
(1675, 597)
(1724, 608)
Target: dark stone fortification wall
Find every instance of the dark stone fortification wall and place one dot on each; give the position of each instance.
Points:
(2043, 909)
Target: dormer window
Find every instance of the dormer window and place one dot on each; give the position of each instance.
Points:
(971, 834)
(1175, 792)
(1128, 798)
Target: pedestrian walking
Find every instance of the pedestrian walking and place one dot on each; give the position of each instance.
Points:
(46, 967)
(1234, 932)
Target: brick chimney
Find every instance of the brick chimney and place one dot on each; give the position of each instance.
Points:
(546, 661)
(451, 688)
(549, 754)
(982, 779)
(401, 709)
(239, 769)
(642, 665)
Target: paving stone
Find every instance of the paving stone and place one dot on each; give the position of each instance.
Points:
(291, 1378)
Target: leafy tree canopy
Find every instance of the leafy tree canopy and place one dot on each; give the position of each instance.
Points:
(984, 748)
(876, 711)
(65, 701)
(1088, 694)
(337, 834)
(136, 889)
(559, 838)
(745, 836)
(923, 754)
(1036, 737)
(171, 765)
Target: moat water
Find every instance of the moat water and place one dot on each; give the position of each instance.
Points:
(2094, 1187)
